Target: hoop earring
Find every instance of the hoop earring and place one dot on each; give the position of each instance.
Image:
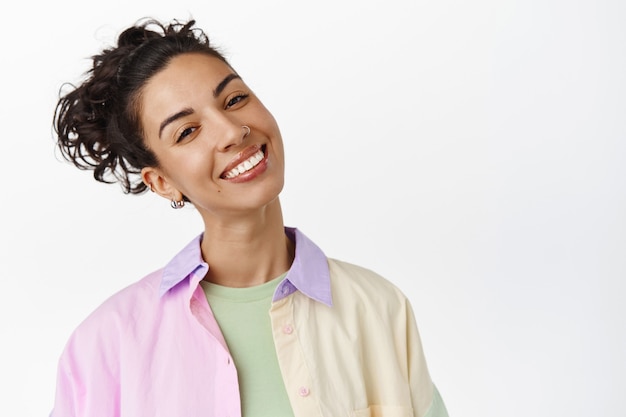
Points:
(247, 129)
(177, 204)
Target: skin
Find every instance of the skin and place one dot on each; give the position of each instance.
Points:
(192, 113)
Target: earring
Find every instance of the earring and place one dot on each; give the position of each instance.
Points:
(247, 129)
(177, 204)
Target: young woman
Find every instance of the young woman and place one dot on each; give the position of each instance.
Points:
(250, 318)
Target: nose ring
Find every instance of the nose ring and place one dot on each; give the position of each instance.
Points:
(247, 129)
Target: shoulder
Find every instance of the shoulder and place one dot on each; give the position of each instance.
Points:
(113, 314)
(92, 350)
(133, 297)
(348, 278)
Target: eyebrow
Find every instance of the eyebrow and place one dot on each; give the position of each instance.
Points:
(222, 85)
(184, 112)
(188, 111)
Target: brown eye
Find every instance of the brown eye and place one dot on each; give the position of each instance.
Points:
(238, 98)
(188, 131)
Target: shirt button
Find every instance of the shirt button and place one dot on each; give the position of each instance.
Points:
(288, 329)
(303, 391)
(285, 289)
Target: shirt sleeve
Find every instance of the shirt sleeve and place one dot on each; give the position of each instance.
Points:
(426, 399)
(87, 374)
(437, 408)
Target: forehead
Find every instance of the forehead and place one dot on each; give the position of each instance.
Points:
(185, 81)
(190, 71)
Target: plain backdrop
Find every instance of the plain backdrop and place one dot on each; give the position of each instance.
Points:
(471, 152)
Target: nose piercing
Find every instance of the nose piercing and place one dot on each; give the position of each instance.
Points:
(247, 129)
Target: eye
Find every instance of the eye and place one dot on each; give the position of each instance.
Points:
(239, 97)
(185, 133)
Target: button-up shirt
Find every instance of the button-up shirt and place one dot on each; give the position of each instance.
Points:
(346, 341)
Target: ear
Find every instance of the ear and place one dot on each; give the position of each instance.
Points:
(159, 183)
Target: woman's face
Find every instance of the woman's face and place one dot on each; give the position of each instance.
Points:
(192, 113)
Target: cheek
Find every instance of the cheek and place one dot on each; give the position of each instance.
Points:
(185, 168)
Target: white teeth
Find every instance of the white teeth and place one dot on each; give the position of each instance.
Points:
(246, 165)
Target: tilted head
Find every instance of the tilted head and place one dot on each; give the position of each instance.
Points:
(97, 123)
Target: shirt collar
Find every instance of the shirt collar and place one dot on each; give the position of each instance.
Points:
(187, 261)
(308, 274)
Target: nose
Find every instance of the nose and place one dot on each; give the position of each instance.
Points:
(233, 135)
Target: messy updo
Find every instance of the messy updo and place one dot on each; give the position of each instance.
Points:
(97, 123)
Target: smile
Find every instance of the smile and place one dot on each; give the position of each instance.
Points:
(245, 166)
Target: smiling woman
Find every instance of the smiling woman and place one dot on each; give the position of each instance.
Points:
(250, 318)
(218, 147)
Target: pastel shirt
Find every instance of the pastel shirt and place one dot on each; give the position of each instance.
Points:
(346, 342)
(243, 317)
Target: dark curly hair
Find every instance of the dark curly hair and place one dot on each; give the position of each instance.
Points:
(97, 123)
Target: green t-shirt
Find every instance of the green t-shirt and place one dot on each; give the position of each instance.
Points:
(243, 317)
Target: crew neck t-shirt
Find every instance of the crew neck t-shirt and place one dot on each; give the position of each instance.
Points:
(243, 317)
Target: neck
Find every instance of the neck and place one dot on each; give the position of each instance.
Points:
(248, 250)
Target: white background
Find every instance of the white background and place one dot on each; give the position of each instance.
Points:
(471, 152)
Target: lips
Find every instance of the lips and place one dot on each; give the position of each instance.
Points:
(245, 161)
